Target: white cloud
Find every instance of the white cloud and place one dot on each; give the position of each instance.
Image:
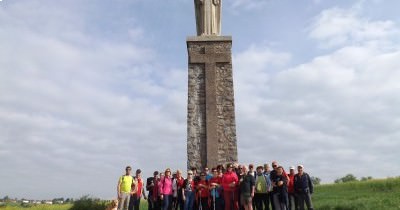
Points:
(337, 113)
(74, 104)
(338, 27)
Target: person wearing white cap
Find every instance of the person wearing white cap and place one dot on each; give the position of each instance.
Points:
(303, 188)
(291, 194)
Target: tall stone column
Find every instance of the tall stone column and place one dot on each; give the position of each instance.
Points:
(211, 128)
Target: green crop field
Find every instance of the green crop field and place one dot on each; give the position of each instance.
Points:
(37, 207)
(366, 195)
(373, 194)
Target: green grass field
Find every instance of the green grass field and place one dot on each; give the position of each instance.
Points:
(373, 194)
(367, 195)
(37, 207)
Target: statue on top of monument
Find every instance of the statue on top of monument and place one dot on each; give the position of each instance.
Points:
(208, 17)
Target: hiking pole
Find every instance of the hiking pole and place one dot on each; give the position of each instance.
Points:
(200, 206)
(214, 197)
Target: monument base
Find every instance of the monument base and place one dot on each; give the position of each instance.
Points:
(211, 131)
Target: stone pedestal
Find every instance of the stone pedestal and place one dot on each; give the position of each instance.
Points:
(211, 128)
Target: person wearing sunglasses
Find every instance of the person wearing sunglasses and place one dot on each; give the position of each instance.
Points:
(188, 191)
(215, 190)
(273, 176)
(280, 191)
(166, 190)
(202, 189)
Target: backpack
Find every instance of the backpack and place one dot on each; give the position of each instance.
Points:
(258, 186)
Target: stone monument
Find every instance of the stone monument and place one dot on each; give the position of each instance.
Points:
(211, 128)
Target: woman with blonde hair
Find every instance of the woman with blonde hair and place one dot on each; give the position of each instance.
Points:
(166, 190)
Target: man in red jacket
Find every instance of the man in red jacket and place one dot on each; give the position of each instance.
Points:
(230, 184)
(292, 198)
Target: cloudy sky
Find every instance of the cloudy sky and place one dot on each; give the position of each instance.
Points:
(88, 87)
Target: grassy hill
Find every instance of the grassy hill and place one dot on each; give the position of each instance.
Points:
(373, 194)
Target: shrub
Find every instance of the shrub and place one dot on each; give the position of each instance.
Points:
(347, 178)
(316, 180)
(366, 178)
(86, 203)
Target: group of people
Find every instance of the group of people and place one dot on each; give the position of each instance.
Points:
(232, 188)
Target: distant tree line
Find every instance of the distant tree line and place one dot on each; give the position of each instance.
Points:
(347, 178)
(351, 178)
(55, 200)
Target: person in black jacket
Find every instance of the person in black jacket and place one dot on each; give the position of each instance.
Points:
(303, 188)
(150, 182)
(280, 191)
(247, 189)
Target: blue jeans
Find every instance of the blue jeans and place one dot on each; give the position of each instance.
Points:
(167, 202)
(189, 200)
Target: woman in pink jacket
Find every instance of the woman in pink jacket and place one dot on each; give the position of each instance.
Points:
(166, 190)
